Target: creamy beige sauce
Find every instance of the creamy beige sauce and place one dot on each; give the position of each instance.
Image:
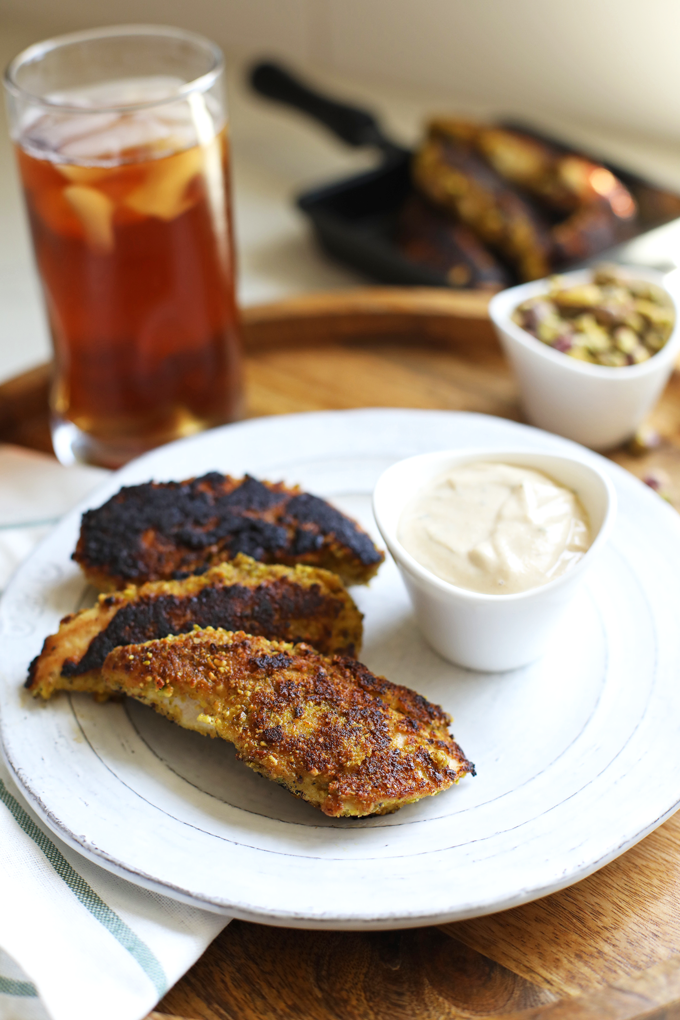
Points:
(495, 528)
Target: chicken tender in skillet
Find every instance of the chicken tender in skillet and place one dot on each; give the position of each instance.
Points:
(292, 603)
(168, 530)
(451, 174)
(453, 168)
(327, 729)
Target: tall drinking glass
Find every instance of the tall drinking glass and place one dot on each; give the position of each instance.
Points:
(121, 137)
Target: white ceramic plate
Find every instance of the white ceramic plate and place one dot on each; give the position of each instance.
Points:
(577, 755)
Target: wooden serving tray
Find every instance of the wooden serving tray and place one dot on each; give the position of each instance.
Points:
(608, 947)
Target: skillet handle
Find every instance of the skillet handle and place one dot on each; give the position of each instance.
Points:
(353, 125)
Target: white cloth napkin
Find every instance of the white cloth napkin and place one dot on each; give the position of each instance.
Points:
(76, 943)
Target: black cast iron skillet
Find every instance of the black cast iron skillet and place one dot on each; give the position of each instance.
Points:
(355, 219)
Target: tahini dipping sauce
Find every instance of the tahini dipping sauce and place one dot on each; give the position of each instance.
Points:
(495, 528)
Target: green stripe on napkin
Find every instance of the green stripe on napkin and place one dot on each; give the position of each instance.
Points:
(88, 897)
(8, 986)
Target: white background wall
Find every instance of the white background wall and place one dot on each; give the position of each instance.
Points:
(608, 62)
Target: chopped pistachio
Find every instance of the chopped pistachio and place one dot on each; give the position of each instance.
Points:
(660, 482)
(626, 339)
(606, 272)
(611, 321)
(549, 329)
(596, 338)
(655, 314)
(580, 353)
(587, 296)
(635, 321)
(654, 340)
(640, 354)
(613, 359)
(644, 440)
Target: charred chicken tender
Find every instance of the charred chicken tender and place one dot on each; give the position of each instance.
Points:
(434, 239)
(327, 729)
(612, 320)
(292, 603)
(471, 170)
(168, 530)
(454, 177)
(560, 180)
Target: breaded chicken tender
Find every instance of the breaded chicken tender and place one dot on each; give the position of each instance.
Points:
(160, 531)
(327, 729)
(484, 175)
(291, 603)
(453, 176)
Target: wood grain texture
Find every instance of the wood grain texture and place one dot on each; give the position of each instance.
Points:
(653, 994)
(623, 919)
(24, 417)
(608, 947)
(257, 971)
(457, 317)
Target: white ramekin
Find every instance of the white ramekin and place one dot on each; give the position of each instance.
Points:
(490, 633)
(592, 404)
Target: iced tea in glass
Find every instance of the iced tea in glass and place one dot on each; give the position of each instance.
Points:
(123, 151)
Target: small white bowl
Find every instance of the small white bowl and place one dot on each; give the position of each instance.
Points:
(490, 633)
(596, 405)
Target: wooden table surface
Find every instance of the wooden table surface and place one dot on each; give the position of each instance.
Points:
(608, 947)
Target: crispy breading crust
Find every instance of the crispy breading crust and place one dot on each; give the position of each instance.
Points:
(327, 729)
(455, 168)
(291, 603)
(453, 176)
(159, 531)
